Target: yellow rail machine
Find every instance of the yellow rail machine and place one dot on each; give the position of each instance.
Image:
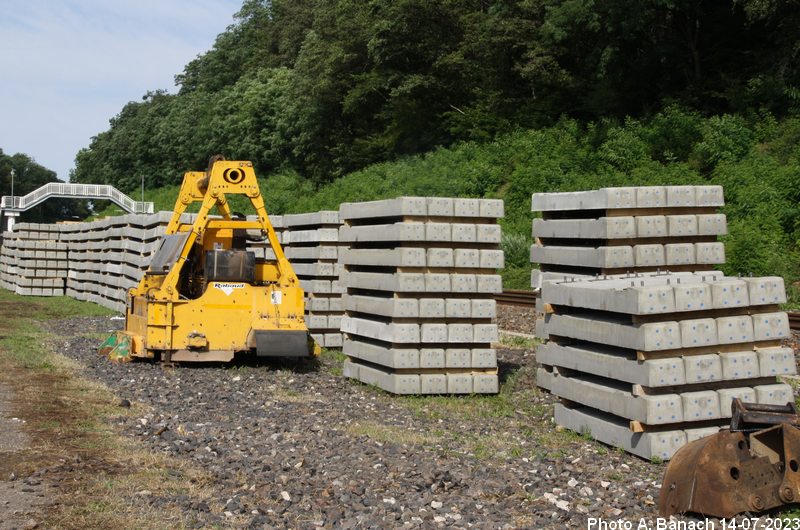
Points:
(204, 296)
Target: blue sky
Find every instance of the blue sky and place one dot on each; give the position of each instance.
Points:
(68, 66)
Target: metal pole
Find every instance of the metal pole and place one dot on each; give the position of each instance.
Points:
(142, 187)
(12, 188)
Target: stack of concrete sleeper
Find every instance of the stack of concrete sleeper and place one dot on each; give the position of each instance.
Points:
(33, 261)
(95, 261)
(420, 278)
(8, 263)
(109, 256)
(614, 231)
(311, 244)
(651, 362)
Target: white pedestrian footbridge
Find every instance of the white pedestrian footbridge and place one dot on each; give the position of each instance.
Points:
(12, 206)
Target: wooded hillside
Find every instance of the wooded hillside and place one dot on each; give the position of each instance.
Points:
(328, 86)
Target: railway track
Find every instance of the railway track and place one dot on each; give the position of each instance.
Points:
(528, 298)
(516, 297)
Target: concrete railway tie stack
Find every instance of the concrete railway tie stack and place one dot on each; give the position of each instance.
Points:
(613, 231)
(311, 244)
(33, 260)
(641, 358)
(650, 362)
(420, 277)
(108, 257)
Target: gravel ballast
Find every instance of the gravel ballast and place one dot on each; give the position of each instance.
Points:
(298, 446)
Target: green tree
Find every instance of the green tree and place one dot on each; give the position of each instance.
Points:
(325, 87)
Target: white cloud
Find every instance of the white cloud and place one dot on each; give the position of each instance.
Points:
(67, 67)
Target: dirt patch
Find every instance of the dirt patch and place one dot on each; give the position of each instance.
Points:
(21, 501)
(63, 463)
(43, 451)
(13, 439)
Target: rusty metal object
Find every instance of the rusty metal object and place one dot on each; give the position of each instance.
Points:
(751, 417)
(736, 471)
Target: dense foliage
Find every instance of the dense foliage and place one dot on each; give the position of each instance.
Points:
(28, 175)
(325, 87)
(757, 161)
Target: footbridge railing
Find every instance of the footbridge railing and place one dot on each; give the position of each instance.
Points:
(75, 191)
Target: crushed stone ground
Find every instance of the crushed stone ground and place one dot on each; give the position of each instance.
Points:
(298, 446)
